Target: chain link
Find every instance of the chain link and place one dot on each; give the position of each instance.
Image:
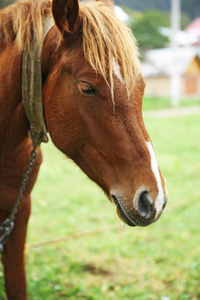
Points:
(7, 225)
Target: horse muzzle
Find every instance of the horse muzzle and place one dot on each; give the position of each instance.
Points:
(142, 211)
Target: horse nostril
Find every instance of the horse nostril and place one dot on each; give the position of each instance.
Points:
(143, 205)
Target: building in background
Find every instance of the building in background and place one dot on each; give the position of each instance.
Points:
(188, 37)
(193, 31)
(159, 65)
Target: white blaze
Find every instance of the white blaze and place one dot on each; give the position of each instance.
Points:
(116, 70)
(154, 166)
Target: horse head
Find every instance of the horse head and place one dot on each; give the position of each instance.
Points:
(92, 95)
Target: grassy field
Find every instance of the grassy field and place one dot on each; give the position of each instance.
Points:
(154, 103)
(161, 261)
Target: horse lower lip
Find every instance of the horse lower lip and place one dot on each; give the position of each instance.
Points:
(124, 217)
(121, 213)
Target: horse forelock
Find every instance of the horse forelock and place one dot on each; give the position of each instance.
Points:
(108, 42)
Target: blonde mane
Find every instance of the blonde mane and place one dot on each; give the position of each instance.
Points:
(20, 20)
(106, 40)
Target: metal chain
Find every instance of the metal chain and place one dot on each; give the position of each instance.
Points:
(7, 226)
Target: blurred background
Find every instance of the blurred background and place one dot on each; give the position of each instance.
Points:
(168, 35)
(77, 248)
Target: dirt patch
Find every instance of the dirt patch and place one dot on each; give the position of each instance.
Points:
(94, 270)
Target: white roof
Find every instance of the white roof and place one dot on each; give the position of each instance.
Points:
(183, 38)
(121, 14)
(162, 62)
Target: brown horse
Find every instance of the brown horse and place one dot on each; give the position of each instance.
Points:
(92, 100)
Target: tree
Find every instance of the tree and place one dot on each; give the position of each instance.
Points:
(4, 3)
(189, 7)
(146, 30)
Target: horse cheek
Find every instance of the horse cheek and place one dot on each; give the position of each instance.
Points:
(64, 125)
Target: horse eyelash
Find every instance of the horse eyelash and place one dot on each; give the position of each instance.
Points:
(88, 90)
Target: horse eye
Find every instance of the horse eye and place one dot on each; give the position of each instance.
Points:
(88, 89)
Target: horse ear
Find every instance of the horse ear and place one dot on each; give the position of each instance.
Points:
(108, 2)
(66, 15)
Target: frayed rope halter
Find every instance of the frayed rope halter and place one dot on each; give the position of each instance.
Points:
(33, 107)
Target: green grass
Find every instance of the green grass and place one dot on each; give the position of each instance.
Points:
(153, 103)
(159, 262)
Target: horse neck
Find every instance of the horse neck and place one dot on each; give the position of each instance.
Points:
(13, 124)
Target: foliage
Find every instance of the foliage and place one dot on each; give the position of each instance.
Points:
(185, 21)
(153, 263)
(146, 30)
(190, 8)
(4, 3)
